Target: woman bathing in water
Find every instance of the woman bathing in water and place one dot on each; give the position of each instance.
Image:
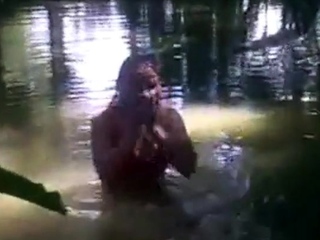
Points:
(136, 137)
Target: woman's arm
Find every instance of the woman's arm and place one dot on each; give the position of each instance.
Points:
(179, 144)
(106, 155)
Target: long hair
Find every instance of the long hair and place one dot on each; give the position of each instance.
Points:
(150, 156)
(138, 70)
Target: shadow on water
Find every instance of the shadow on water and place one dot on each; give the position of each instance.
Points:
(58, 63)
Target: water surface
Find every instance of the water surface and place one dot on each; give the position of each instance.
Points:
(60, 61)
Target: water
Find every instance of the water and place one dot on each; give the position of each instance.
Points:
(59, 62)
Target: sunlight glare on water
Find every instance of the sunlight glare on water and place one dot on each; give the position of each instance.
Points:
(64, 176)
(269, 20)
(55, 148)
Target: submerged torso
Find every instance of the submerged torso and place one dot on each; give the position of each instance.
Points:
(135, 173)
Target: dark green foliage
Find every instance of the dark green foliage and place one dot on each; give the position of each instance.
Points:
(18, 186)
(285, 196)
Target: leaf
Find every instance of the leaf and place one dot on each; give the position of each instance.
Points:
(19, 186)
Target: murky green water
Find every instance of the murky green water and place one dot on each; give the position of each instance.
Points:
(59, 62)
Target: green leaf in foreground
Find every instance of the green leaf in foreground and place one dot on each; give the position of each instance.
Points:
(19, 186)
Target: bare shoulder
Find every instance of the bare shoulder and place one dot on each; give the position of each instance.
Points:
(168, 112)
(170, 117)
(104, 118)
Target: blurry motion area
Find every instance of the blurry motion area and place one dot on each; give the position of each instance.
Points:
(18, 186)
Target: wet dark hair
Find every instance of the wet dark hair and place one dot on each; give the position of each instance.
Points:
(136, 70)
(130, 65)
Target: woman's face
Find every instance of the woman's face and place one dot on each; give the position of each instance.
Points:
(147, 83)
(141, 86)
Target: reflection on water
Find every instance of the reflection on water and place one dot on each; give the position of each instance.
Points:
(265, 26)
(59, 62)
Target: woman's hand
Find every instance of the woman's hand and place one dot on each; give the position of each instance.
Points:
(150, 140)
(160, 133)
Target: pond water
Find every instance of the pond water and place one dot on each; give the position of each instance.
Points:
(58, 65)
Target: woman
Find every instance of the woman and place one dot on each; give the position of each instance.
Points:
(136, 137)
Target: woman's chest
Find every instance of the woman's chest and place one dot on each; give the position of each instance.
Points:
(123, 124)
